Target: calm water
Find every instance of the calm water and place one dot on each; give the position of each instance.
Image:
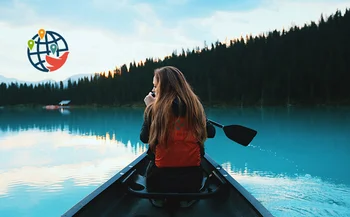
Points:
(298, 164)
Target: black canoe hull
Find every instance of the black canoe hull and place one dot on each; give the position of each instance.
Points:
(116, 198)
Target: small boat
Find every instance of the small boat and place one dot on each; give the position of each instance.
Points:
(61, 105)
(51, 107)
(125, 194)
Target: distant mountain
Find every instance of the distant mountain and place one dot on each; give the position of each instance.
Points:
(73, 78)
(76, 78)
(8, 80)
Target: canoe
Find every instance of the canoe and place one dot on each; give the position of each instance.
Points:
(125, 195)
(54, 107)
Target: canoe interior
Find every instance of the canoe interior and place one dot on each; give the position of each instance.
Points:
(113, 198)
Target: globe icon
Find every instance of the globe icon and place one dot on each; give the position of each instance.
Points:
(47, 51)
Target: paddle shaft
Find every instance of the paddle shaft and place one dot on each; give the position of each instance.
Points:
(216, 124)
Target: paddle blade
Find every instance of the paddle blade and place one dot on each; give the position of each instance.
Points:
(240, 134)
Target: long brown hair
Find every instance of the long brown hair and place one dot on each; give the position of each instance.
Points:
(172, 84)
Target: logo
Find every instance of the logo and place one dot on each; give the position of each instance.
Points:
(47, 51)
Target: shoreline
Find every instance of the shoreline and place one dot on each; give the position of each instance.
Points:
(213, 105)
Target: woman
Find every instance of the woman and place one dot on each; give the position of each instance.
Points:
(175, 127)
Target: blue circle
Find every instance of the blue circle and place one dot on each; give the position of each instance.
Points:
(42, 48)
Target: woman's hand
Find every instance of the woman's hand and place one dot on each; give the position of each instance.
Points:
(149, 99)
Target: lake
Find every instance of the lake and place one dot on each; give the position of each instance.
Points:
(297, 165)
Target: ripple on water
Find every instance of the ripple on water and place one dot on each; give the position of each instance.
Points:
(300, 196)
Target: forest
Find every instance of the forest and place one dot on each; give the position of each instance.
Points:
(306, 65)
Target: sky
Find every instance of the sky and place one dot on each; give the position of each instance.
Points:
(103, 34)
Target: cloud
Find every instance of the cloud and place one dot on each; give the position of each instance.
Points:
(11, 14)
(92, 49)
(137, 31)
(272, 15)
(177, 2)
(111, 5)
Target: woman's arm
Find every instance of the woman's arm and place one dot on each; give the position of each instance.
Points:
(144, 134)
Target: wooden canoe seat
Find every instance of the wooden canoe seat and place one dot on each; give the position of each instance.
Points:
(136, 185)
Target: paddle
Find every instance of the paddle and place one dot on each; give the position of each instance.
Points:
(240, 134)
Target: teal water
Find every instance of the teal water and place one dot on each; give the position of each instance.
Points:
(298, 164)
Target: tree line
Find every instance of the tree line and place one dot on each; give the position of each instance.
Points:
(303, 65)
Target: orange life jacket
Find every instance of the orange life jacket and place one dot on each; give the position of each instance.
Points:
(182, 148)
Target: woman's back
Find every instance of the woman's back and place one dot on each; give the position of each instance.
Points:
(182, 148)
(175, 127)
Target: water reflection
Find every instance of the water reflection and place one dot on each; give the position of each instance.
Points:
(97, 122)
(295, 165)
(303, 195)
(46, 159)
(49, 158)
(64, 111)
